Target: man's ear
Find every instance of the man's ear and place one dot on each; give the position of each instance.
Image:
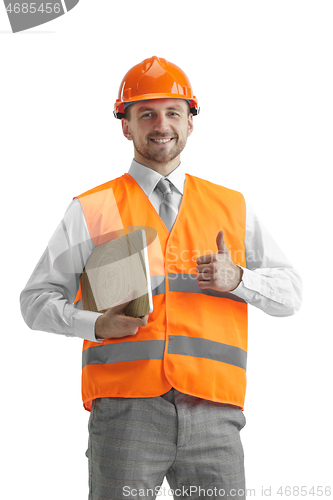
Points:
(126, 129)
(190, 125)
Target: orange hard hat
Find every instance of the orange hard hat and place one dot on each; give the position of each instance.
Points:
(154, 78)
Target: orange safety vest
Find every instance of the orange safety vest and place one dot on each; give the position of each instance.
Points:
(195, 340)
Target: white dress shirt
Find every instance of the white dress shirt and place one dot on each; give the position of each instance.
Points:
(269, 281)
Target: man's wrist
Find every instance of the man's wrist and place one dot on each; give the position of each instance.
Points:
(240, 276)
(99, 328)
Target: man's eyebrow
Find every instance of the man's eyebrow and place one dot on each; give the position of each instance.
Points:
(176, 107)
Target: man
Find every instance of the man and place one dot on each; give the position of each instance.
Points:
(166, 391)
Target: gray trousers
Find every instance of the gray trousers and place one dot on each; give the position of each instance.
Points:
(134, 443)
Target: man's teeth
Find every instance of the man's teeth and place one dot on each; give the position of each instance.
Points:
(161, 140)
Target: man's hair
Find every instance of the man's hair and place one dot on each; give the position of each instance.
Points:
(128, 111)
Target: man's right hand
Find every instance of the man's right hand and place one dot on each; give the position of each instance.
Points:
(115, 324)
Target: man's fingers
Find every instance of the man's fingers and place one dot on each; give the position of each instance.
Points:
(118, 308)
(136, 321)
(206, 259)
(203, 268)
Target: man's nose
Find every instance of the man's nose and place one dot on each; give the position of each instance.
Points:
(161, 123)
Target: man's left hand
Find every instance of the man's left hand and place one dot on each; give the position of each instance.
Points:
(217, 270)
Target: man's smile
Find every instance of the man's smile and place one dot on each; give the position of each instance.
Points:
(166, 140)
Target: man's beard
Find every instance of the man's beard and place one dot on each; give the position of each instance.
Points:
(163, 156)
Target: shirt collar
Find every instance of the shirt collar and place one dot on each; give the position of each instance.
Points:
(148, 178)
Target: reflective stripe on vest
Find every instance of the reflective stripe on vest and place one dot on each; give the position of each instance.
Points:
(154, 349)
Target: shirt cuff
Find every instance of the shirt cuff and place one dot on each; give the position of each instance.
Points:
(253, 284)
(248, 282)
(84, 325)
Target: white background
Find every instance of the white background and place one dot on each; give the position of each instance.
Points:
(262, 72)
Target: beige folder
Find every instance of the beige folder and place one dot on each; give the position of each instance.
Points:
(112, 270)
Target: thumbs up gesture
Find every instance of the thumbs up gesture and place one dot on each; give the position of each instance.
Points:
(217, 270)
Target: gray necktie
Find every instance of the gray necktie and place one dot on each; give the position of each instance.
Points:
(168, 209)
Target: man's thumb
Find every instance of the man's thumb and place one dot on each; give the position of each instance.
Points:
(221, 246)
